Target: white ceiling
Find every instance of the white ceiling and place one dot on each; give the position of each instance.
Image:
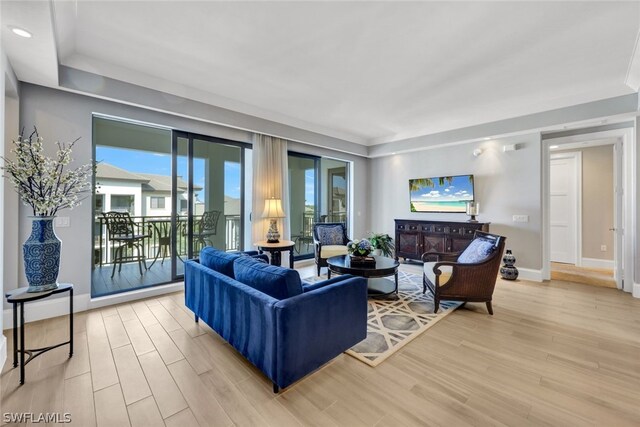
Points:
(367, 72)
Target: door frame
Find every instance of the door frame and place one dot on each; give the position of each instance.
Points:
(626, 139)
(317, 196)
(577, 189)
(190, 137)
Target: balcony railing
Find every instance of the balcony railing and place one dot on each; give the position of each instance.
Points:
(158, 244)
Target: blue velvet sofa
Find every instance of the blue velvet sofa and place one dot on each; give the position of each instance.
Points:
(285, 327)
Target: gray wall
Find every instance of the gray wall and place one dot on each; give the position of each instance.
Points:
(66, 116)
(506, 184)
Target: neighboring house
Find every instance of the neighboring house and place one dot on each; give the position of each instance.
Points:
(140, 194)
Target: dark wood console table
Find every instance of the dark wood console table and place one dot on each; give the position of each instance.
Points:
(415, 237)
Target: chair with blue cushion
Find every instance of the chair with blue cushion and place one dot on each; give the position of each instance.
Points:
(329, 239)
(469, 276)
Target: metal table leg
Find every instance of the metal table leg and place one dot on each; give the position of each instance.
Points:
(15, 334)
(71, 323)
(22, 346)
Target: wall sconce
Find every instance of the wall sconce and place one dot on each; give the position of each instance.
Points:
(477, 152)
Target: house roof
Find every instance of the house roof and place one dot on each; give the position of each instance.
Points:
(150, 182)
(163, 183)
(109, 171)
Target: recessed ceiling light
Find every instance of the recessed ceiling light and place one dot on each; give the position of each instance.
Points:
(553, 147)
(486, 138)
(393, 154)
(20, 32)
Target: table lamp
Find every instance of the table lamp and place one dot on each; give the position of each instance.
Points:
(273, 211)
(473, 209)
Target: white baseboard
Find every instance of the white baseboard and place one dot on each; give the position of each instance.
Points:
(597, 263)
(530, 274)
(3, 351)
(47, 308)
(135, 295)
(59, 306)
(636, 290)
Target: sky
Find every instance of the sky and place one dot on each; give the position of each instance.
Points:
(459, 189)
(157, 163)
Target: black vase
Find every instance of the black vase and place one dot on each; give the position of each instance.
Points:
(508, 271)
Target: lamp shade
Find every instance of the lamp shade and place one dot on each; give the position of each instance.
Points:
(473, 208)
(273, 208)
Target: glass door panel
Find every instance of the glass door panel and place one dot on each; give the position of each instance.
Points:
(303, 202)
(209, 188)
(217, 196)
(132, 178)
(335, 190)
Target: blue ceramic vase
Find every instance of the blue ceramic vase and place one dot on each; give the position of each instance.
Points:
(42, 255)
(509, 271)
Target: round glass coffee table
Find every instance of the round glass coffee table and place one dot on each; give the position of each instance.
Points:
(375, 274)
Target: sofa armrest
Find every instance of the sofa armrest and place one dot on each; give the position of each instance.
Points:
(308, 287)
(316, 326)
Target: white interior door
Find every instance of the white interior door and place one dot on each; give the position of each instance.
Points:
(618, 212)
(563, 207)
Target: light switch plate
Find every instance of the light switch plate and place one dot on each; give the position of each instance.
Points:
(521, 218)
(62, 221)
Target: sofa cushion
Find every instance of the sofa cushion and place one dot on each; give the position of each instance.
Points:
(218, 260)
(277, 282)
(477, 251)
(333, 250)
(331, 235)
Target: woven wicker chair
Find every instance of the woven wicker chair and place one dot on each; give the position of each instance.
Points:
(469, 281)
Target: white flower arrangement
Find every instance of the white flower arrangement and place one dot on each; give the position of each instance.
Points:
(41, 181)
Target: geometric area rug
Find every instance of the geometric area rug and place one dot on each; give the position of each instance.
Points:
(395, 321)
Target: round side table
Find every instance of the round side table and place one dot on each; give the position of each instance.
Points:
(276, 250)
(18, 297)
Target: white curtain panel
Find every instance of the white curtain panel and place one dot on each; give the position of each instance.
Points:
(270, 179)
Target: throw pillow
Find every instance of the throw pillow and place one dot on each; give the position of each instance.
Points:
(218, 260)
(332, 235)
(477, 251)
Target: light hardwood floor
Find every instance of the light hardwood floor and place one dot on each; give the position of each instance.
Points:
(584, 275)
(553, 354)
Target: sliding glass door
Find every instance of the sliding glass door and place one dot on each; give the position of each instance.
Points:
(160, 197)
(304, 201)
(210, 210)
(318, 192)
(131, 205)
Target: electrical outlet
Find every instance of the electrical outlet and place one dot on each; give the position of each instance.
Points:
(521, 218)
(62, 221)
(603, 248)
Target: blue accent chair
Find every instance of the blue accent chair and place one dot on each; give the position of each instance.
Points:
(285, 327)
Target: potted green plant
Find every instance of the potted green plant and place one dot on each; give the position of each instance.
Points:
(382, 244)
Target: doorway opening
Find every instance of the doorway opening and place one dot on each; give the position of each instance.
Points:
(585, 216)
